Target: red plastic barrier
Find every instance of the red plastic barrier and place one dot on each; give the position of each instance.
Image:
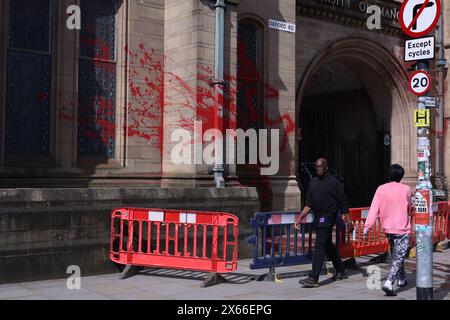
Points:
(352, 244)
(448, 221)
(440, 223)
(178, 239)
(412, 236)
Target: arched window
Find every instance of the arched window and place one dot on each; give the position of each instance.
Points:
(250, 75)
(28, 90)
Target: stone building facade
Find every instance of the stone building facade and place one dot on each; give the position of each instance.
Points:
(88, 115)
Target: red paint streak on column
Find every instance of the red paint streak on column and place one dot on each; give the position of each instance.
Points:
(262, 183)
(248, 74)
(288, 127)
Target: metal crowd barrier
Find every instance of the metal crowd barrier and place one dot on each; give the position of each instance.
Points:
(276, 242)
(179, 239)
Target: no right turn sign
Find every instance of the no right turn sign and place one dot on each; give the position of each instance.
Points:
(419, 17)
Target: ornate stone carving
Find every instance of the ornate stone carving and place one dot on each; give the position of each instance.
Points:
(352, 13)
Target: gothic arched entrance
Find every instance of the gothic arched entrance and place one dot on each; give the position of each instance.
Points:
(352, 109)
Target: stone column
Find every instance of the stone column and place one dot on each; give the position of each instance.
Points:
(188, 93)
(280, 191)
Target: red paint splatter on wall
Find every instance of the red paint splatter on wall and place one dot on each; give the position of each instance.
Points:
(146, 102)
(102, 53)
(255, 91)
(149, 83)
(104, 111)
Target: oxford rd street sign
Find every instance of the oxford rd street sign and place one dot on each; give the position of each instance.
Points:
(419, 17)
(282, 26)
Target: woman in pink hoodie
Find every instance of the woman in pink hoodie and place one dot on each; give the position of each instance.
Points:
(392, 204)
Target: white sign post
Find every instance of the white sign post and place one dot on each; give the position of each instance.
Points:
(281, 25)
(419, 49)
(418, 18)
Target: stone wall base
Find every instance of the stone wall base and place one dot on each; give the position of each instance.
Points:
(44, 231)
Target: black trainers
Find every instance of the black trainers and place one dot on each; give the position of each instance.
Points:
(389, 292)
(339, 276)
(309, 283)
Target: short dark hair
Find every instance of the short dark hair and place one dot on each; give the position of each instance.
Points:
(396, 173)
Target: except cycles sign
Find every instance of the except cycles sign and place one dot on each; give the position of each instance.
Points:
(419, 49)
(419, 17)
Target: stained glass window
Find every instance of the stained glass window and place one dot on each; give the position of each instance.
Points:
(249, 98)
(29, 24)
(97, 79)
(28, 94)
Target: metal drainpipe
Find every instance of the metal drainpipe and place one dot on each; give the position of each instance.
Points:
(218, 90)
(442, 62)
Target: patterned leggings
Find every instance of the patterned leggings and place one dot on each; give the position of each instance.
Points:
(399, 249)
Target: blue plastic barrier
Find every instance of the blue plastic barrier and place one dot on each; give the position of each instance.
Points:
(273, 229)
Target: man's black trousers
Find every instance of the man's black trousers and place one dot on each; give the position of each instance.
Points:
(324, 246)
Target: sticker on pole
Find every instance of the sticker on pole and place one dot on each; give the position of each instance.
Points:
(420, 83)
(423, 207)
(422, 118)
(430, 102)
(419, 17)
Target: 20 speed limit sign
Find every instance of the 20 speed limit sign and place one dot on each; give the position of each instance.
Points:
(420, 83)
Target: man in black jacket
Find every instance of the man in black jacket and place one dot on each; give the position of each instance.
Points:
(326, 198)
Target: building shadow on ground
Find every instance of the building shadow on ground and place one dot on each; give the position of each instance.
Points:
(232, 278)
(441, 271)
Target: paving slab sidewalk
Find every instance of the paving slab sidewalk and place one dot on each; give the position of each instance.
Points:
(150, 284)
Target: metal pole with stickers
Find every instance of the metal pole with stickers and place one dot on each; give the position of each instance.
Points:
(424, 212)
(418, 18)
